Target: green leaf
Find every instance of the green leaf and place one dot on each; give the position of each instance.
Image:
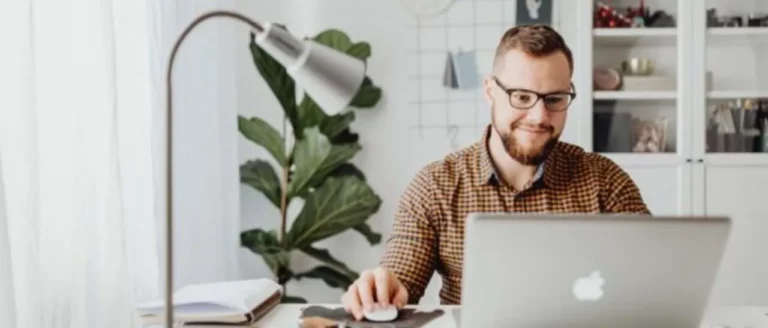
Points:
(334, 38)
(311, 115)
(329, 275)
(261, 176)
(315, 158)
(323, 255)
(348, 169)
(337, 205)
(268, 247)
(293, 299)
(361, 50)
(277, 78)
(343, 170)
(372, 237)
(263, 134)
(367, 96)
(345, 137)
(332, 126)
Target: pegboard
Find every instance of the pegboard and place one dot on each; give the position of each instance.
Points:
(457, 116)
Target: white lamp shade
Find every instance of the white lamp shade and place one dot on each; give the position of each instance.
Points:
(330, 77)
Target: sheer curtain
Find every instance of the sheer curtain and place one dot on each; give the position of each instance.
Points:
(81, 160)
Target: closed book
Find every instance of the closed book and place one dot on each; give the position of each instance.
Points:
(232, 302)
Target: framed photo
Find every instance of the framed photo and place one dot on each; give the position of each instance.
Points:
(534, 12)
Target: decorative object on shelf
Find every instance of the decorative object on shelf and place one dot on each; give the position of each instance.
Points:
(650, 136)
(534, 12)
(425, 8)
(751, 19)
(648, 83)
(637, 66)
(606, 78)
(315, 168)
(754, 20)
(635, 74)
(738, 126)
(612, 129)
(605, 16)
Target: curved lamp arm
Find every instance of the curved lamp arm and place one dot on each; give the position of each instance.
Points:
(331, 77)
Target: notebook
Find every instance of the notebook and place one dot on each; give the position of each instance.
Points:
(232, 302)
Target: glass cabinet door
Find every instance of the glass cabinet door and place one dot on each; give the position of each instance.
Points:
(735, 77)
(635, 76)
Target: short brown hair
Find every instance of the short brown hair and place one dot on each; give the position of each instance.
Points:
(535, 40)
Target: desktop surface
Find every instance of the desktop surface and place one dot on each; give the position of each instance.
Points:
(589, 270)
(287, 315)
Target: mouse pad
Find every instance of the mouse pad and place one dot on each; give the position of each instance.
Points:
(407, 318)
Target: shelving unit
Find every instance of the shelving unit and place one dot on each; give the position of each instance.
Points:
(736, 31)
(706, 169)
(628, 36)
(736, 94)
(629, 32)
(634, 95)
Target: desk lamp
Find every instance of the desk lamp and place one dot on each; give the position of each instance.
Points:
(332, 78)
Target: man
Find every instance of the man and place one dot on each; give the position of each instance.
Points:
(519, 165)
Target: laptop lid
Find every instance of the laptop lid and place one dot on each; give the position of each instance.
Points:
(543, 270)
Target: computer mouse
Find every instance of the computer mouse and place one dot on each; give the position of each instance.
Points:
(381, 313)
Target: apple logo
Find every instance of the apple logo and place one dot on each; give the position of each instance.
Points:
(589, 288)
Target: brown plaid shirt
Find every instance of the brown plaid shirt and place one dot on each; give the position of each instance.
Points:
(428, 231)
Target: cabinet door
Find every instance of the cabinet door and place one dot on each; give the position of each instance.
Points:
(665, 188)
(740, 192)
(637, 84)
(730, 80)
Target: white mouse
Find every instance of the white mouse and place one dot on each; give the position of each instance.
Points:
(381, 313)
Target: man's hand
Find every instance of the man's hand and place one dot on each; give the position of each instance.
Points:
(377, 287)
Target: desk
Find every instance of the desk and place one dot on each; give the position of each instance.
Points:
(286, 316)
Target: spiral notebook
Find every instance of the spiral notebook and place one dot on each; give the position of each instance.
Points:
(233, 302)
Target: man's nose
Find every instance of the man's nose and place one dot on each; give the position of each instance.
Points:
(538, 113)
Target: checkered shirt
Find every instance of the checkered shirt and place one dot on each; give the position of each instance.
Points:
(428, 229)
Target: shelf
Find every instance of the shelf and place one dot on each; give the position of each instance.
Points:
(634, 95)
(738, 31)
(626, 36)
(733, 94)
(737, 35)
(634, 32)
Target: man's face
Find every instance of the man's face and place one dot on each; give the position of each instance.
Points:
(528, 134)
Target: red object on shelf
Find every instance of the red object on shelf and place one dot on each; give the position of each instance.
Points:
(607, 16)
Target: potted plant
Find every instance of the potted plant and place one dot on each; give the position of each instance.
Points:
(315, 168)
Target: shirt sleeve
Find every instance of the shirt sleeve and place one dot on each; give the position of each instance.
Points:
(411, 248)
(620, 193)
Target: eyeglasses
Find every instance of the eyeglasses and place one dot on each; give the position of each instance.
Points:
(526, 99)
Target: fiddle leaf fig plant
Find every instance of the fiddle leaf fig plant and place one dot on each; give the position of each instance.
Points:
(316, 169)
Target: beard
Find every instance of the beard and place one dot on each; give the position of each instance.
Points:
(527, 156)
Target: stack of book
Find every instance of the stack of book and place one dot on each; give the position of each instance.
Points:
(232, 303)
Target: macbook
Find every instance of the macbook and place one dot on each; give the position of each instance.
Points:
(542, 270)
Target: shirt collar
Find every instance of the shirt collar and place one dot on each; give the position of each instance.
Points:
(488, 174)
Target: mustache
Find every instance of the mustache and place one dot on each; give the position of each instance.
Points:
(545, 127)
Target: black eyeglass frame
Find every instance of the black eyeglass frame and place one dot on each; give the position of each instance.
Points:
(539, 96)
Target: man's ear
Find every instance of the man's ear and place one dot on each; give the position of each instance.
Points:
(488, 85)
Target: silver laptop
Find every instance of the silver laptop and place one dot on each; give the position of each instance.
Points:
(541, 270)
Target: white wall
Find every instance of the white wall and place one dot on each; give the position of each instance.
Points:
(383, 130)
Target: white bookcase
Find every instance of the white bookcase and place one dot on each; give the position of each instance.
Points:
(700, 172)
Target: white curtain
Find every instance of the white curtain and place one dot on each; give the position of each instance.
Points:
(81, 160)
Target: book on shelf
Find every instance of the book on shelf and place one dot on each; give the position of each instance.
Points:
(241, 302)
